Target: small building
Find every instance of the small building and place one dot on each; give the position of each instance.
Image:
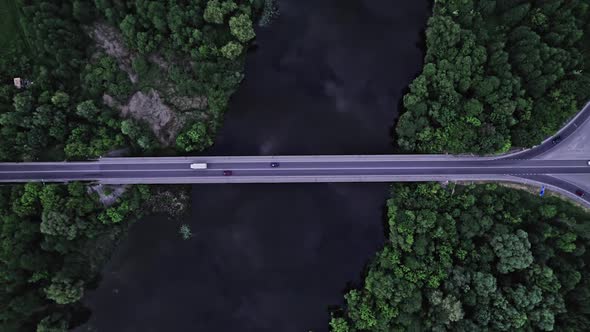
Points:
(21, 83)
(18, 82)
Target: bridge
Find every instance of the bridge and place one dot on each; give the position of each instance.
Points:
(563, 167)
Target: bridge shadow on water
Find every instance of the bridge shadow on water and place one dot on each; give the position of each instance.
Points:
(326, 78)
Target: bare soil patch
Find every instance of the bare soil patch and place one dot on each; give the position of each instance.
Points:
(160, 106)
(163, 121)
(111, 42)
(108, 194)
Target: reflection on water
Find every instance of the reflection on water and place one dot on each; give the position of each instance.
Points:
(326, 78)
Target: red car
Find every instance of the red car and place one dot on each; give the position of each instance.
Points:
(580, 193)
(228, 173)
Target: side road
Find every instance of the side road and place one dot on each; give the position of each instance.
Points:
(568, 132)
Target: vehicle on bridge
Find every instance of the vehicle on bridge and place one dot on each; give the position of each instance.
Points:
(556, 139)
(199, 166)
(274, 165)
(227, 173)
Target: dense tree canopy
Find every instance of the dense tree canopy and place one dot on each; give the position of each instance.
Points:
(50, 249)
(58, 115)
(204, 41)
(477, 258)
(55, 238)
(205, 57)
(498, 74)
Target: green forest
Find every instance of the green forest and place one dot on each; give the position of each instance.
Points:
(202, 43)
(475, 258)
(54, 239)
(498, 74)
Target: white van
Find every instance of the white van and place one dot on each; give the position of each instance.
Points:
(199, 166)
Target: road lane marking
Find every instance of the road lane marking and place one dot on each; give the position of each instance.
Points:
(277, 170)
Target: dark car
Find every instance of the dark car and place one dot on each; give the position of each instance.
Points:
(228, 173)
(556, 139)
(274, 164)
(580, 193)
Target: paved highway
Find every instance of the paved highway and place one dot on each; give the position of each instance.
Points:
(292, 169)
(521, 166)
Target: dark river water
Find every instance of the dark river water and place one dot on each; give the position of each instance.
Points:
(327, 78)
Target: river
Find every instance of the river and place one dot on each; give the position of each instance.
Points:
(327, 78)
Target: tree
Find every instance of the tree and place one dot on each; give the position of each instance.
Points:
(513, 250)
(104, 76)
(241, 27)
(485, 284)
(140, 65)
(231, 50)
(53, 323)
(82, 10)
(64, 290)
(60, 99)
(58, 224)
(513, 16)
(470, 266)
(567, 242)
(75, 147)
(23, 102)
(115, 214)
(538, 19)
(339, 325)
(87, 110)
(452, 308)
(128, 28)
(146, 43)
(216, 10)
(28, 203)
(269, 13)
(138, 133)
(130, 128)
(548, 211)
(51, 235)
(185, 232)
(194, 139)
(513, 72)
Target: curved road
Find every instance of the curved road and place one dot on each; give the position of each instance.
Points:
(567, 131)
(564, 133)
(555, 182)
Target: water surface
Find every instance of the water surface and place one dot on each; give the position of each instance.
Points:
(327, 78)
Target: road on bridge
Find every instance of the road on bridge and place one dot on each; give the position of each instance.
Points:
(291, 169)
(520, 167)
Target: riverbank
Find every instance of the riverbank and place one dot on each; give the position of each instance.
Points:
(326, 78)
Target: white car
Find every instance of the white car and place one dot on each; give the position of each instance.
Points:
(199, 166)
